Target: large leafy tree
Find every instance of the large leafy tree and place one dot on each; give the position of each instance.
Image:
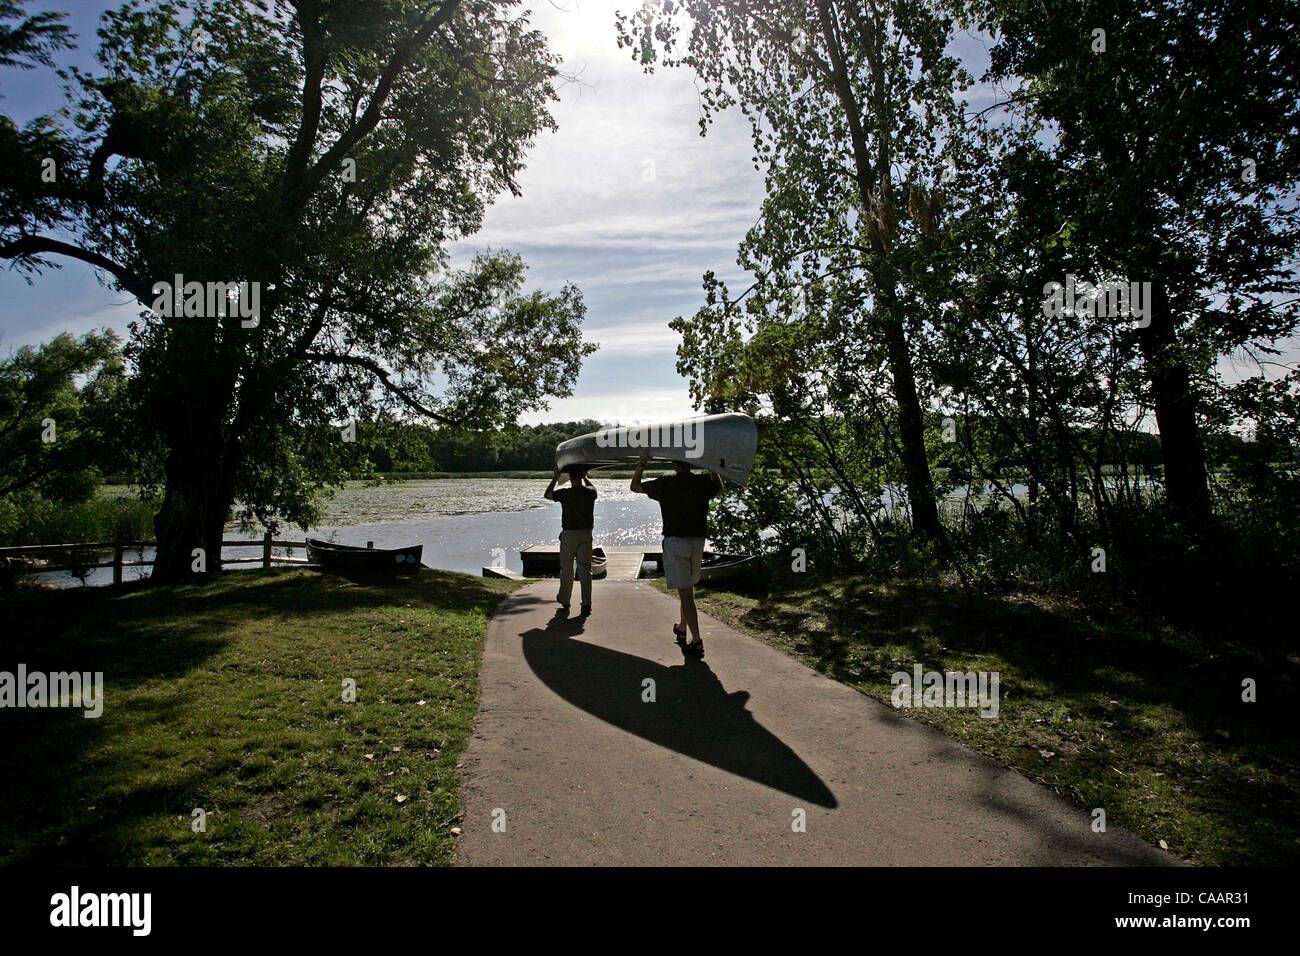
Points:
(853, 109)
(1176, 163)
(321, 153)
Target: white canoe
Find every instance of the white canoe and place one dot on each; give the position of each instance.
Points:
(723, 444)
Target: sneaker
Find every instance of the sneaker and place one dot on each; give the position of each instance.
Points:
(586, 609)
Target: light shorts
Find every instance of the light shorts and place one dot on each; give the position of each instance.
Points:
(682, 557)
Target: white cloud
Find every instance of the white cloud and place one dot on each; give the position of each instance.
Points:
(644, 338)
(630, 203)
(646, 406)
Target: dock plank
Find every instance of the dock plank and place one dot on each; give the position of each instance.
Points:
(623, 560)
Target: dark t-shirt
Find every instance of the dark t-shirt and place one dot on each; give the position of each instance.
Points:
(684, 502)
(578, 506)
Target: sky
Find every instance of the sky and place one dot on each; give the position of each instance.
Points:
(625, 200)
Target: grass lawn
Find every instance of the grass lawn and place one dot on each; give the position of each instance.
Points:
(1142, 720)
(229, 698)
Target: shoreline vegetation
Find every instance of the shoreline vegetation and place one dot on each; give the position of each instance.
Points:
(228, 697)
(117, 512)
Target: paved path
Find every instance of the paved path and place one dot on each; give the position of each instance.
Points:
(581, 770)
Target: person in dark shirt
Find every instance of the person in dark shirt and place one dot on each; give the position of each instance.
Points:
(684, 503)
(577, 518)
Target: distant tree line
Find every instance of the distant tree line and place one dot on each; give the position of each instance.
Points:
(416, 447)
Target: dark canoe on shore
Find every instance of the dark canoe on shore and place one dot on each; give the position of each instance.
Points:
(717, 567)
(349, 559)
(599, 562)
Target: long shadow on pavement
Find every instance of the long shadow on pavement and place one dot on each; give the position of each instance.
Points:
(692, 713)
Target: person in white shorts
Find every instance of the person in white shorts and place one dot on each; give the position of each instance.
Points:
(684, 503)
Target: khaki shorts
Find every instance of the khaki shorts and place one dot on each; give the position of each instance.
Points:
(682, 557)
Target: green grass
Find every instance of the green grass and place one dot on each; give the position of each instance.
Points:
(1141, 719)
(228, 697)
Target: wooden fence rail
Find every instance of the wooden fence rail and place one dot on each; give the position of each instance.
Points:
(119, 548)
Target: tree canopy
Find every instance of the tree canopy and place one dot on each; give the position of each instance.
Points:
(277, 184)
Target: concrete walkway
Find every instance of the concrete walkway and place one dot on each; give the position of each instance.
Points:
(569, 764)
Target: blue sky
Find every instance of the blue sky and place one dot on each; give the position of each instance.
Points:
(625, 200)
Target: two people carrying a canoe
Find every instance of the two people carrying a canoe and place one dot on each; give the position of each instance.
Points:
(683, 498)
(684, 506)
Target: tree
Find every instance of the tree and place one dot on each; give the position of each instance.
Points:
(277, 183)
(852, 108)
(32, 39)
(55, 407)
(1177, 162)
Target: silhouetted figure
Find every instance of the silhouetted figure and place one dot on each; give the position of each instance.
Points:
(684, 503)
(577, 518)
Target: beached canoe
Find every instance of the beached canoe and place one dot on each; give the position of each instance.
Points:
(599, 562)
(723, 444)
(349, 559)
(718, 567)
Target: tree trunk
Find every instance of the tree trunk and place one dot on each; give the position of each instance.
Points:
(194, 508)
(869, 173)
(1186, 479)
(911, 431)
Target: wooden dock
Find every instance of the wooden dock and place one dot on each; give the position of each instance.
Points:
(491, 571)
(624, 560)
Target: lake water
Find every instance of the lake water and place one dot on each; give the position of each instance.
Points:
(466, 523)
(463, 523)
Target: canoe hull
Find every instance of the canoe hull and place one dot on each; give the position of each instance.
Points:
(353, 560)
(723, 444)
(718, 568)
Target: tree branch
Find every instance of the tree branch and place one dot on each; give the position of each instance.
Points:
(296, 193)
(34, 245)
(378, 371)
(313, 58)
